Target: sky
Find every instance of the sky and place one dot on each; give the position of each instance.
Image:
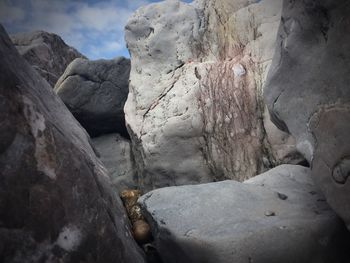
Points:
(93, 27)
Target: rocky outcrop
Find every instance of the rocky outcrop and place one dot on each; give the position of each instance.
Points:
(95, 92)
(46, 52)
(195, 110)
(56, 203)
(308, 91)
(278, 216)
(115, 153)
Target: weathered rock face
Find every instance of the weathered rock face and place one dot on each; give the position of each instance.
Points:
(46, 52)
(275, 217)
(56, 204)
(115, 153)
(195, 109)
(95, 92)
(308, 91)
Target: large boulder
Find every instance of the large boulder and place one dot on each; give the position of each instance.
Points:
(308, 91)
(95, 92)
(275, 217)
(46, 52)
(195, 109)
(56, 202)
(115, 153)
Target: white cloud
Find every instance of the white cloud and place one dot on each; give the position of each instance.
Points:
(134, 4)
(10, 14)
(106, 47)
(97, 18)
(110, 46)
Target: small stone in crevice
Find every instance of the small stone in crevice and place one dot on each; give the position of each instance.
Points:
(141, 230)
(129, 198)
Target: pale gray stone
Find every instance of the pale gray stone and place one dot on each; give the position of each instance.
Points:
(195, 109)
(276, 217)
(115, 153)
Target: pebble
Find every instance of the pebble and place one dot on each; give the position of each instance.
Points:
(270, 213)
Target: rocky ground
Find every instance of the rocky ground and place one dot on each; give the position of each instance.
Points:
(278, 216)
(225, 135)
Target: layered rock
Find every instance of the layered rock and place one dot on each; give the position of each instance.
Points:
(195, 109)
(308, 92)
(46, 52)
(56, 203)
(115, 153)
(278, 216)
(95, 92)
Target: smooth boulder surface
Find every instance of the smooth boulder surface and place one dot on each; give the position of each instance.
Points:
(275, 217)
(56, 202)
(308, 92)
(95, 92)
(115, 153)
(46, 52)
(195, 111)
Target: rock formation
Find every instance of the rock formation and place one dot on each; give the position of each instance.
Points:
(56, 203)
(95, 92)
(308, 91)
(195, 110)
(278, 216)
(46, 52)
(115, 153)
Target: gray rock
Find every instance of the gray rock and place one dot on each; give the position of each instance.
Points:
(46, 52)
(56, 203)
(278, 216)
(115, 153)
(195, 109)
(308, 91)
(95, 92)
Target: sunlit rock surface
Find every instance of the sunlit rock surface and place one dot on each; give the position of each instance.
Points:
(195, 111)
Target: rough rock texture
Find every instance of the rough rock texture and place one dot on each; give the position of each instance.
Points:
(195, 109)
(275, 217)
(56, 203)
(95, 92)
(308, 91)
(46, 52)
(115, 153)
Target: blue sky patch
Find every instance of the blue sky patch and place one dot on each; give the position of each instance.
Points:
(95, 28)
